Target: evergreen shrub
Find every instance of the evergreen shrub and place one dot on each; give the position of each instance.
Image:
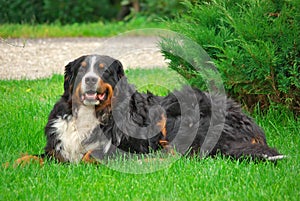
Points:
(254, 44)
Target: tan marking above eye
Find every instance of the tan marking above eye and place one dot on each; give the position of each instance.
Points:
(83, 64)
(101, 65)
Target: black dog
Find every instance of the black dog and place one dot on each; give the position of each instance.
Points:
(100, 113)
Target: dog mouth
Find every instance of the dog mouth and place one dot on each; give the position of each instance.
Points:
(94, 97)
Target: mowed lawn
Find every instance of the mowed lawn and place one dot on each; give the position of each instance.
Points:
(24, 109)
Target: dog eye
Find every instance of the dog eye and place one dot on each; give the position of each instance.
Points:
(82, 70)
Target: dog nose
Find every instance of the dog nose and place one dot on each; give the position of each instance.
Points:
(91, 80)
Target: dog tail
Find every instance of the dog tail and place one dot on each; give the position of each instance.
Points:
(254, 151)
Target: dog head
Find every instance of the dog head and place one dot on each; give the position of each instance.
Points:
(90, 80)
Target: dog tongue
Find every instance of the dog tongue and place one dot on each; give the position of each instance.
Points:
(101, 96)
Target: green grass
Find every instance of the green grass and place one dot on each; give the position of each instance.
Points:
(25, 106)
(98, 29)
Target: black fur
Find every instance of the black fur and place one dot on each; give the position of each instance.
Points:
(189, 120)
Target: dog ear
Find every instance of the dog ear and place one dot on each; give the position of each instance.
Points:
(71, 70)
(119, 68)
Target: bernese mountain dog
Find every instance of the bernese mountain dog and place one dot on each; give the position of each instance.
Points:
(100, 113)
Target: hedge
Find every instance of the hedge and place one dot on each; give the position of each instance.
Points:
(254, 44)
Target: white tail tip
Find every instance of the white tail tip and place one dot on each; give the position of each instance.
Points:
(274, 158)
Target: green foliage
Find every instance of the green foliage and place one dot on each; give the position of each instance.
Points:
(70, 11)
(146, 80)
(20, 11)
(255, 45)
(49, 11)
(25, 106)
(161, 8)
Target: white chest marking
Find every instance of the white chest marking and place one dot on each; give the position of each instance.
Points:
(72, 131)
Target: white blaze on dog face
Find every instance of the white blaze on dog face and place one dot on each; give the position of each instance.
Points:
(90, 80)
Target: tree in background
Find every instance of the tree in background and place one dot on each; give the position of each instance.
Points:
(58, 11)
